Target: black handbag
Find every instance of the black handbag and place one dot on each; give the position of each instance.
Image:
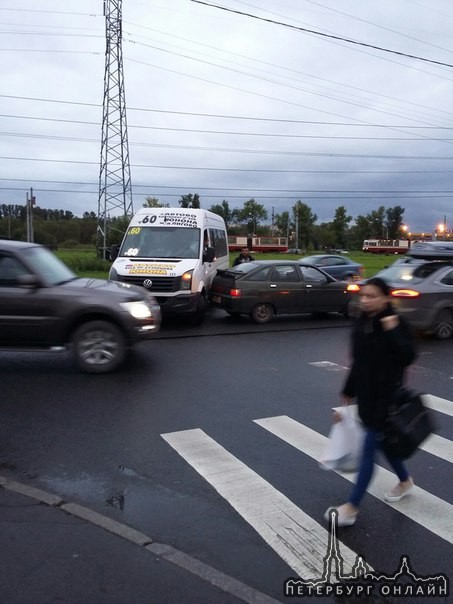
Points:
(408, 424)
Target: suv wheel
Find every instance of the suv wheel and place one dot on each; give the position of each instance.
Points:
(98, 347)
(262, 313)
(443, 324)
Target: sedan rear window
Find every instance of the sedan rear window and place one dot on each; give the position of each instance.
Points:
(410, 273)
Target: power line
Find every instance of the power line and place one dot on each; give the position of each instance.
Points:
(52, 12)
(300, 193)
(273, 152)
(228, 116)
(324, 35)
(250, 189)
(287, 69)
(217, 132)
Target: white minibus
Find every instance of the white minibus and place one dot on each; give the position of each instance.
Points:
(174, 253)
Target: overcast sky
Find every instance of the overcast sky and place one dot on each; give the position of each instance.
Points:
(232, 106)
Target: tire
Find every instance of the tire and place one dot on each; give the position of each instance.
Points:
(443, 324)
(98, 347)
(262, 313)
(198, 316)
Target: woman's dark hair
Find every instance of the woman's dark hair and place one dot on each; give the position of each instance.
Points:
(379, 283)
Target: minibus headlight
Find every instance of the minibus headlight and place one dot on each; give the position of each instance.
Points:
(186, 280)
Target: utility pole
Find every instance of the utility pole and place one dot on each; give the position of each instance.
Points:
(297, 229)
(115, 191)
(30, 202)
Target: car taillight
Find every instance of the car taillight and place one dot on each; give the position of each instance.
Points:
(405, 293)
(235, 293)
(353, 287)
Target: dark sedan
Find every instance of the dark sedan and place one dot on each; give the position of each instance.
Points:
(337, 266)
(263, 289)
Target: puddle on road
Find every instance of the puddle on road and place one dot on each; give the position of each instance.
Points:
(83, 486)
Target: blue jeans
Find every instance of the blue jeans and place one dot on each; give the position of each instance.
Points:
(367, 466)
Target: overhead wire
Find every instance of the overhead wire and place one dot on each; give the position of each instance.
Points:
(229, 116)
(322, 34)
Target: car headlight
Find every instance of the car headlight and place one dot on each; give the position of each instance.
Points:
(186, 280)
(139, 309)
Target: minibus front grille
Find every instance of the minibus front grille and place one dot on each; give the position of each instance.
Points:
(158, 284)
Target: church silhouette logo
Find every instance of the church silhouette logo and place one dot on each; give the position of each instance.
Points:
(363, 581)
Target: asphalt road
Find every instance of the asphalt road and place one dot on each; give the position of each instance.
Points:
(141, 445)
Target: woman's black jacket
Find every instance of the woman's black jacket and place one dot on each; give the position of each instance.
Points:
(378, 361)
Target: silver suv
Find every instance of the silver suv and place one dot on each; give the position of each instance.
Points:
(45, 306)
(422, 287)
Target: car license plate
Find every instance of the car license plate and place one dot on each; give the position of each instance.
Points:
(216, 299)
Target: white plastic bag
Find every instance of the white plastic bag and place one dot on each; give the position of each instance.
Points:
(344, 447)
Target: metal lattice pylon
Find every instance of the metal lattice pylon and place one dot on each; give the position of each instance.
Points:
(115, 192)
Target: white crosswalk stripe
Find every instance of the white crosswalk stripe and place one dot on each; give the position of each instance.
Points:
(439, 446)
(298, 539)
(294, 535)
(442, 405)
(428, 510)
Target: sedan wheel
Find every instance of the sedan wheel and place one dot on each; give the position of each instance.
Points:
(262, 313)
(443, 325)
(99, 347)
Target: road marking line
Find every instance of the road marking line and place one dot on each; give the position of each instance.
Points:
(439, 446)
(300, 541)
(422, 507)
(436, 403)
(329, 366)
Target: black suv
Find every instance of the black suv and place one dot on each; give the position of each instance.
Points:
(45, 306)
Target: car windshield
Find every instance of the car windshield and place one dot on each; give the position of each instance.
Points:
(161, 242)
(47, 265)
(409, 273)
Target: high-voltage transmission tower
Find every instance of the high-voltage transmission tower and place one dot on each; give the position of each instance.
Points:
(115, 192)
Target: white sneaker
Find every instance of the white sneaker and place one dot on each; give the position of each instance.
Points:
(400, 491)
(344, 517)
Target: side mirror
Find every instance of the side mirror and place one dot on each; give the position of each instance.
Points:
(114, 249)
(28, 281)
(209, 254)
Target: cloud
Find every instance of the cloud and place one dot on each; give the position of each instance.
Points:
(233, 107)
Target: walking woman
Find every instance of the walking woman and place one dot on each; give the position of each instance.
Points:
(382, 347)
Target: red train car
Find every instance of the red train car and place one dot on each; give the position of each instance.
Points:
(258, 244)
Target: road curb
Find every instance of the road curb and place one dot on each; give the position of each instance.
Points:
(192, 565)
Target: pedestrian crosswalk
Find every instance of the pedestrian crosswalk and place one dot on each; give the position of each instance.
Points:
(285, 527)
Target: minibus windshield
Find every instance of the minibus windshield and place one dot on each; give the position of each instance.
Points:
(161, 242)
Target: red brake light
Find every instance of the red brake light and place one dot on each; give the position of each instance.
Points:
(405, 293)
(235, 293)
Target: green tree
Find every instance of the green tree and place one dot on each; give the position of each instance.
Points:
(281, 224)
(153, 202)
(340, 225)
(377, 224)
(323, 236)
(305, 221)
(360, 231)
(190, 201)
(394, 221)
(251, 213)
(224, 211)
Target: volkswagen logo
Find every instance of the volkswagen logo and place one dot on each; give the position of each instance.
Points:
(147, 283)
